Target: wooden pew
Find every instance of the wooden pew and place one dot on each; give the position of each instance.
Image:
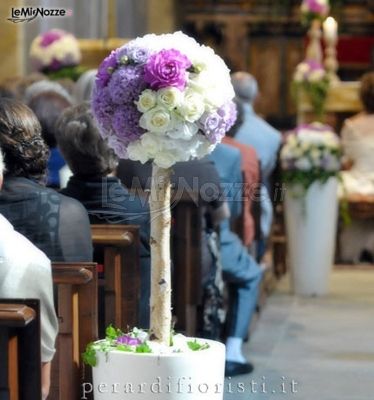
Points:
(20, 360)
(77, 290)
(188, 215)
(120, 245)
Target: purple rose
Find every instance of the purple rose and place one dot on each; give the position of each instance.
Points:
(167, 68)
(229, 113)
(119, 146)
(51, 36)
(106, 69)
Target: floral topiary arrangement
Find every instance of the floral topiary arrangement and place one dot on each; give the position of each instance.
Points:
(163, 98)
(312, 152)
(56, 53)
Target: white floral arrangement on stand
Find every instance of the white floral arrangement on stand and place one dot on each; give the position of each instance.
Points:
(56, 53)
(312, 152)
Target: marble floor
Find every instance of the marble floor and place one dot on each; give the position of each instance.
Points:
(313, 348)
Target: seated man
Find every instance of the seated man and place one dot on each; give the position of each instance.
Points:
(106, 200)
(56, 224)
(240, 270)
(25, 272)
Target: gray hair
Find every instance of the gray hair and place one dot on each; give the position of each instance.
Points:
(245, 86)
(84, 85)
(2, 166)
(46, 86)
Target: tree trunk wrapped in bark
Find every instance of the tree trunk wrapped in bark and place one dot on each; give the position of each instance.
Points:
(160, 255)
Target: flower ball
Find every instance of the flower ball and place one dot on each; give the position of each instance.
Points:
(163, 98)
(54, 50)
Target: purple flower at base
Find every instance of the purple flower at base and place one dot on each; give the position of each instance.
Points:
(126, 84)
(134, 54)
(126, 123)
(128, 340)
(106, 69)
(103, 107)
(167, 68)
(51, 36)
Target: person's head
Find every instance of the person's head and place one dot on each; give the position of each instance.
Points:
(84, 85)
(367, 92)
(48, 100)
(2, 168)
(25, 152)
(81, 144)
(245, 86)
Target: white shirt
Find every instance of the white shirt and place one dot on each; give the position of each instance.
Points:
(25, 272)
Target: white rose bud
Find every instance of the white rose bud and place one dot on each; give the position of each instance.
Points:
(136, 152)
(192, 107)
(169, 97)
(156, 120)
(147, 100)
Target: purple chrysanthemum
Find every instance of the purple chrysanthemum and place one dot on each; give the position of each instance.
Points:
(106, 69)
(126, 122)
(126, 84)
(103, 107)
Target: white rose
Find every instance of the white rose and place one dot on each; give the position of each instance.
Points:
(183, 130)
(150, 144)
(169, 97)
(157, 119)
(146, 101)
(136, 152)
(303, 68)
(192, 107)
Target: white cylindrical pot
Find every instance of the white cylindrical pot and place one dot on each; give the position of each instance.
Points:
(311, 223)
(191, 375)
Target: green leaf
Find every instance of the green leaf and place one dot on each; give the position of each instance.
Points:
(124, 347)
(89, 356)
(195, 346)
(143, 348)
(112, 333)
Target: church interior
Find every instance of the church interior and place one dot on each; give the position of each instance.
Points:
(202, 167)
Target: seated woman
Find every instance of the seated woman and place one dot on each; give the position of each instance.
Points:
(358, 143)
(20, 260)
(92, 183)
(56, 224)
(48, 100)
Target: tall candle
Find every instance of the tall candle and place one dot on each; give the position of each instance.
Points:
(330, 29)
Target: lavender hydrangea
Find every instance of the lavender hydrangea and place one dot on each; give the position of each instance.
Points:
(133, 54)
(103, 107)
(125, 122)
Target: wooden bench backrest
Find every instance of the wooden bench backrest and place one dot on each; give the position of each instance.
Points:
(20, 360)
(77, 289)
(122, 272)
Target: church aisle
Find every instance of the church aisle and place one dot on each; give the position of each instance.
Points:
(318, 348)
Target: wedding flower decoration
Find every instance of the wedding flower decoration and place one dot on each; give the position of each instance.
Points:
(314, 9)
(312, 78)
(163, 98)
(312, 152)
(56, 53)
(138, 341)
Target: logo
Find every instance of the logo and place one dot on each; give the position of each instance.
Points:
(28, 14)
